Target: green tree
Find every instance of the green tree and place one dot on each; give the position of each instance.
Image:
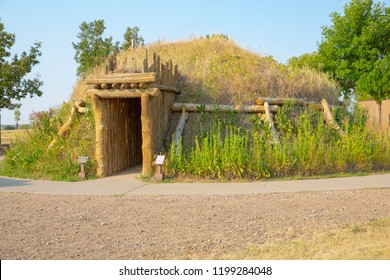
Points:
(92, 49)
(14, 85)
(132, 38)
(355, 49)
(306, 60)
(17, 117)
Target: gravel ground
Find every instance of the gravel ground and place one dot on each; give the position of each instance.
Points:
(39, 226)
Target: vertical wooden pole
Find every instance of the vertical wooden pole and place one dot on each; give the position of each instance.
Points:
(147, 156)
(268, 117)
(180, 128)
(379, 113)
(329, 118)
(100, 131)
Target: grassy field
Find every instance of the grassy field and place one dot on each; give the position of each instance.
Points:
(8, 135)
(368, 241)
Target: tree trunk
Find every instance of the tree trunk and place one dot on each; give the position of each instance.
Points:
(379, 113)
(0, 129)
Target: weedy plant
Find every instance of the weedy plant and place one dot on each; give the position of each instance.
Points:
(307, 147)
(29, 156)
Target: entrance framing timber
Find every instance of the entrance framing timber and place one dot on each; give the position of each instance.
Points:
(117, 121)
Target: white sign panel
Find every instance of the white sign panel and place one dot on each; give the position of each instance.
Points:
(160, 159)
(82, 159)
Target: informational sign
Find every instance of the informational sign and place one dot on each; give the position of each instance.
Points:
(82, 159)
(160, 159)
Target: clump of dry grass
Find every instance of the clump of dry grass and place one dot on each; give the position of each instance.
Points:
(367, 241)
(217, 70)
(8, 135)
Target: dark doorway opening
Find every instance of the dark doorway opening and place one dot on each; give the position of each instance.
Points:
(124, 141)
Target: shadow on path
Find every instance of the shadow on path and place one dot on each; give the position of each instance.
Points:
(8, 182)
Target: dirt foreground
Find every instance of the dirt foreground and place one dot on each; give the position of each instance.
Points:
(40, 226)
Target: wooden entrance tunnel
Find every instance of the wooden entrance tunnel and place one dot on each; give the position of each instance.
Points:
(132, 115)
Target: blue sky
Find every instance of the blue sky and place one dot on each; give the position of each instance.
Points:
(279, 28)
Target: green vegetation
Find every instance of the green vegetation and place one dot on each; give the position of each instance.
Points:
(14, 85)
(132, 38)
(307, 147)
(92, 49)
(30, 157)
(355, 50)
(367, 241)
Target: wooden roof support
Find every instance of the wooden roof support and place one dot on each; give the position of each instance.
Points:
(123, 93)
(100, 130)
(147, 155)
(180, 128)
(149, 77)
(269, 118)
(165, 88)
(329, 118)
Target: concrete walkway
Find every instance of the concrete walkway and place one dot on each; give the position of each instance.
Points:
(126, 183)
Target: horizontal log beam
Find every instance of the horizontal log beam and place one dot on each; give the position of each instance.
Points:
(165, 88)
(191, 107)
(122, 93)
(283, 101)
(122, 78)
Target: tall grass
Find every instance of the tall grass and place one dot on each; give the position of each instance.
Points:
(307, 147)
(29, 156)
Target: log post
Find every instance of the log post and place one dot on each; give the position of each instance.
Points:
(329, 118)
(125, 86)
(269, 119)
(79, 106)
(100, 130)
(64, 129)
(180, 128)
(147, 156)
